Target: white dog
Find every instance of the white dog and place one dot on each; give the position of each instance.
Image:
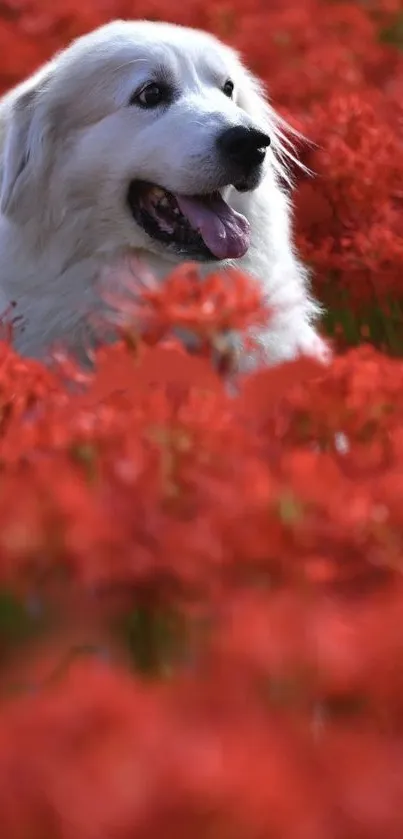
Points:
(148, 140)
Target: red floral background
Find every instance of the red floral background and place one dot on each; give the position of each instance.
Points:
(201, 591)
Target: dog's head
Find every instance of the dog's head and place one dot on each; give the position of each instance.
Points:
(133, 138)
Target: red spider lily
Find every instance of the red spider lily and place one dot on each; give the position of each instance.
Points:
(206, 309)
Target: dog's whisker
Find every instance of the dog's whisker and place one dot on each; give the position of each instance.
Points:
(130, 62)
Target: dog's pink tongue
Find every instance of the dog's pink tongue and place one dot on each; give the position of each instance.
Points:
(225, 232)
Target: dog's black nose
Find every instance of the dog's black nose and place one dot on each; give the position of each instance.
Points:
(246, 147)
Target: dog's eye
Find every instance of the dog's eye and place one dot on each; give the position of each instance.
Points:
(228, 88)
(150, 96)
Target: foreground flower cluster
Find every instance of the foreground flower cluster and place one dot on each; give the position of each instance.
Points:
(200, 586)
(200, 577)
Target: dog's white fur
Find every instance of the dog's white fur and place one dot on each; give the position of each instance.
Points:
(69, 146)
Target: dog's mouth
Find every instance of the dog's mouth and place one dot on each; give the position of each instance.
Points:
(201, 227)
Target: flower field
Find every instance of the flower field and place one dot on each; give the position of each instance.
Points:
(201, 592)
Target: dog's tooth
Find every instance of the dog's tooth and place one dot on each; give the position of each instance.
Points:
(156, 193)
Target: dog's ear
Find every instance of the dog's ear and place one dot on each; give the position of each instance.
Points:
(26, 153)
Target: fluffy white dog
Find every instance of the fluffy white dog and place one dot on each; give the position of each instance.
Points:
(148, 140)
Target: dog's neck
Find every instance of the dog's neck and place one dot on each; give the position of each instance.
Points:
(61, 290)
